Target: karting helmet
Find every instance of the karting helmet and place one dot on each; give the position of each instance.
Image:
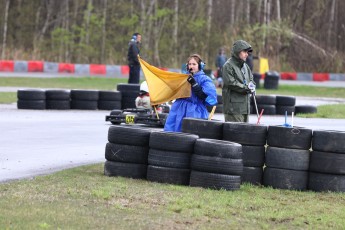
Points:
(144, 87)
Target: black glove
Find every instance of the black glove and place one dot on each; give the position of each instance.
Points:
(196, 88)
(191, 80)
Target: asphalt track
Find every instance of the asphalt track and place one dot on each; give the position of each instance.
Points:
(37, 142)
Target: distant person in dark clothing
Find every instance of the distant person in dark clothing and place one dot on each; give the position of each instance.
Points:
(220, 60)
(249, 61)
(133, 61)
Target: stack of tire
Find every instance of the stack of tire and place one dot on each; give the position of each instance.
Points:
(84, 99)
(203, 128)
(302, 109)
(265, 102)
(129, 93)
(58, 99)
(216, 164)
(285, 104)
(253, 140)
(169, 157)
(327, 161)
(271, 80)
(109, 100)
(287, 157)
(31, 99)
(126, 152)
(257, 78)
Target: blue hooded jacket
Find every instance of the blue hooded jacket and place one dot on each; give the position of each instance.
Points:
(192, 106)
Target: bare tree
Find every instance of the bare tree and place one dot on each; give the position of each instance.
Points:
(175, 33)
(5, 30)
(104, 31)
(330, 24)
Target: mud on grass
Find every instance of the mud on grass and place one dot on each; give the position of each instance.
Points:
(83, 198)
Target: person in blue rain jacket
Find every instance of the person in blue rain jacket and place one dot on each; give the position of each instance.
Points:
(203, 94)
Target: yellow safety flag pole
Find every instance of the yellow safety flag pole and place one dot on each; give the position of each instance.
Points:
(212, 112)
(156, 111)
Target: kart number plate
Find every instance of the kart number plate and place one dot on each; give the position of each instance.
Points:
(129, 119)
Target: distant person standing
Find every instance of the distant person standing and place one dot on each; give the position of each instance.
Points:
(220, 60)
(250, 61)
(132, 57)
(238, 84)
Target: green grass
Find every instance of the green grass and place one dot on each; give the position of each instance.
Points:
(327, 111)
(8, 97)
(83, 198)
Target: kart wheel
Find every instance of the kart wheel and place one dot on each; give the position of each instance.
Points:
(115, 123)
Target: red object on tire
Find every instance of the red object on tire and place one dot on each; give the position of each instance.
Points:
(7, 66)
(97, 69)
(35, 66)
(320, 76)
(66, 68)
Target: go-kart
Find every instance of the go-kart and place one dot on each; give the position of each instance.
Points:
(137, 116)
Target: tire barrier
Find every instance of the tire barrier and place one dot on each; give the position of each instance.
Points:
(58, 99)
(187, 159)
(327, 161)
(203, 128)
(109, 100)
(220, 160)
(126, 152)
(129, 94)
(62, 99)
(253, 139)
(278, 105)
(169, 157)
(271, 80)
(31, 99)
(287, 157)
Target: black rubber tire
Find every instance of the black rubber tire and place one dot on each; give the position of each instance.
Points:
(286, 100)
(129, 135)
(109, 105)
(285, 179)
(253, 156)
(84, 95)
(167, 175)
(305, 109)
(169, 159)
(84, 104)
(218, 165)
(327, 162)
(173, 141)
(268, 109)
(128, 87)
(203, 128)
(245, 133)
(284, 158)
(128, 102)
(328, 141)
(252, 175)
(116, 112)
(135, 171)
(109, 95)
(58, 104)
(218, 148)
(31, 94)
(320, 182)
(219, 109)
(214, 181)
(58, 94)
(31, 104)
(266, 99)
(287, 137)
(126, 153)
(281, 109)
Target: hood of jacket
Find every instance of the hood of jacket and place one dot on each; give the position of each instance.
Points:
(237, 47)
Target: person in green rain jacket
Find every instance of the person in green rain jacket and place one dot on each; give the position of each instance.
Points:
(238, 84)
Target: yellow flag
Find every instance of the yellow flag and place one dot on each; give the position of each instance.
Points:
(263, 65)
(163, 85)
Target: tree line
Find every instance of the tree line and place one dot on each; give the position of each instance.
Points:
(295, 35)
